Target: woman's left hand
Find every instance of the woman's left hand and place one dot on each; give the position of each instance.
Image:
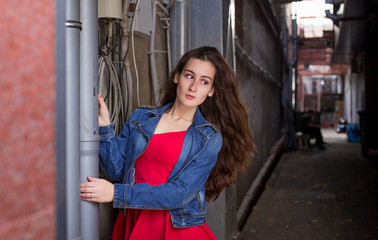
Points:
(97, 190)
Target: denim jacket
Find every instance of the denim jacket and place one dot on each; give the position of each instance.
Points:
(184, 193)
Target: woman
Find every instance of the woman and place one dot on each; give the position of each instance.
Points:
(170, 159)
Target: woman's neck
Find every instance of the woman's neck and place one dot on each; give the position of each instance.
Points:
(178, 111)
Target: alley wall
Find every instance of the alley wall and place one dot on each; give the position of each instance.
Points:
(27, 80)
(28, 166)
(259, 64)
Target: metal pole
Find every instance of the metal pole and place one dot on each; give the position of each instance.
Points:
(73, 27)
(295, 54)
(89, 138)
(60, 121)
(180, 16)
(155, 86)
(293, 64)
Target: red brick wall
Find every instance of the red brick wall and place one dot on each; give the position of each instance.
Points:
(27, 103)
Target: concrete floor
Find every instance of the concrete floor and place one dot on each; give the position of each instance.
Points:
(316, 195)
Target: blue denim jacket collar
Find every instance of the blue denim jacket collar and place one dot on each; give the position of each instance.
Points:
(148, 128)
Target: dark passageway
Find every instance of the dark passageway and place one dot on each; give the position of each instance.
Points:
(312, 194)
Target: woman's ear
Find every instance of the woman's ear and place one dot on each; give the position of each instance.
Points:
(176, 78)
(210, 94)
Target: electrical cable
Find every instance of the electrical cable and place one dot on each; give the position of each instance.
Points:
(114, 73)
(110, 85)
(124, 67)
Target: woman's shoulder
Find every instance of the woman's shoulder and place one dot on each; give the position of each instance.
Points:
(142, 111)
(149, 107)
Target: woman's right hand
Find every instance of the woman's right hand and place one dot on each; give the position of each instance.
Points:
(103, 112)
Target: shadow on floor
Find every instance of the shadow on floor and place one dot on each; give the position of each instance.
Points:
(314, 195)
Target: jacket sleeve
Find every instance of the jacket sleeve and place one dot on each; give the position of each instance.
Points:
(113, 151)
(175, 194)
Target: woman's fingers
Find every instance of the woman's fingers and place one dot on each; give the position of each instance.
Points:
(103, 112)
(101, 100)
(88, 190)
(87, 187)
(93, 179)
(97, 190)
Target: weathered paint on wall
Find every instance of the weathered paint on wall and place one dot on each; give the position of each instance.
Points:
(27, 100)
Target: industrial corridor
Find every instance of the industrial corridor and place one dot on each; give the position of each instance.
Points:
(301, 65)
(315, 195)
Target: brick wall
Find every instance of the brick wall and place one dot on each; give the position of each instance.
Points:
(27, 101)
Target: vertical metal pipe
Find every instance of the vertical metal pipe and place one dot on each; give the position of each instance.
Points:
(319, 95)
(60, 121)
(89, 138)
(231, 36)
(73, 27)
(155, 86)
(293, 63)
(211, 33)
(180, 16)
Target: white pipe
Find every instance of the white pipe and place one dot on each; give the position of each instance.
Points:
(169, 50)
(167, 27)
(155, 87)
(162, 8)
(130, 84)
(125, 41)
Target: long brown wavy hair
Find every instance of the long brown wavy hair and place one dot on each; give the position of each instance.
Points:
(226, 111)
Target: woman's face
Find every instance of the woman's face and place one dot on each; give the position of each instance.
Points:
(195, 83)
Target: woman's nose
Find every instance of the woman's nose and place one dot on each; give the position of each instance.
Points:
(193, 86)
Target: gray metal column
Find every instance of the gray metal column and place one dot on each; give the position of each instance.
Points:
(210, 21)
(73, 27)
(195, 23)
(89, 138)
(60, 121)
(206, 24)
(293, 63)
(180, 17)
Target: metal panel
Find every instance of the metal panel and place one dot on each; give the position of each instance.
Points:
(143, 17)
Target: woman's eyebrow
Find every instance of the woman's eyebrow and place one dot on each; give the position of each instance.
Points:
(203, 76)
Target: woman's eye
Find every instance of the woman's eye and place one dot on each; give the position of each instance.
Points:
(189, 76)
(205, 82)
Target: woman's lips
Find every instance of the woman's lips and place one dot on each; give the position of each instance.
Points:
(190, 97)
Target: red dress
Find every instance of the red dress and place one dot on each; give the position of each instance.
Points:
(154, 167)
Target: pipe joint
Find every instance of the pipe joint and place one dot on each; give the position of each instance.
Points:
(90, 138)
(73, 24)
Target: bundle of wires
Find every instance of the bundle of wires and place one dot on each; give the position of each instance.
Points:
(114, 74)
(112, 84)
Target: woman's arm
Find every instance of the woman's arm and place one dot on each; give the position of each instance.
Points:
(112, 150)
(175, 194)
(103, 112)
(171, 195)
